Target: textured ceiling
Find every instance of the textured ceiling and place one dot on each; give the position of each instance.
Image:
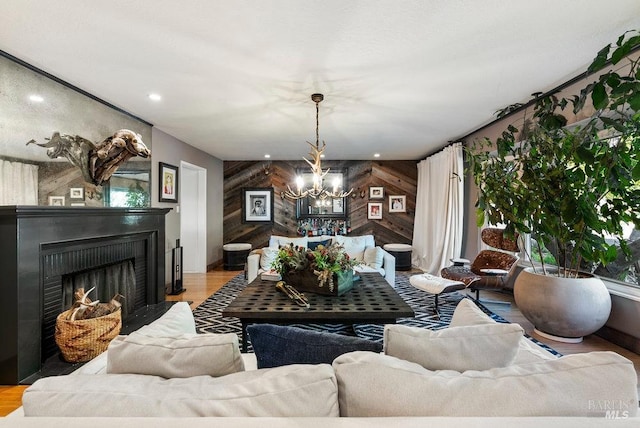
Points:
(401, 78)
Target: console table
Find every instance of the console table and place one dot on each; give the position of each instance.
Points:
(372, 300)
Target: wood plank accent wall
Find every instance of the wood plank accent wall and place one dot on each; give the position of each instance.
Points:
(396, 177)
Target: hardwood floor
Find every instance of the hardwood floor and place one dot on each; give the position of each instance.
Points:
(200, 286)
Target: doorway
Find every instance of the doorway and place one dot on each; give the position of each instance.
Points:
(193, 217)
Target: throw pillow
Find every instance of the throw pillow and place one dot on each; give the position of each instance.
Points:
(478, 347)
(275, 241)
(312, 245)
(468, 313)
(354, 246)
(380, 385)
(268, 257)
(373, 257)
(297, 242)
(276, 345)
(181, 356)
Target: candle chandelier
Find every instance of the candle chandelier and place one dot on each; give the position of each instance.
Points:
(317, 189)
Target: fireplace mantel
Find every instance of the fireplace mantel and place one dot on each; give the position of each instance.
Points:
(28, 232)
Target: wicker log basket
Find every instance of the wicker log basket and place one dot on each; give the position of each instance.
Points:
(83, 340)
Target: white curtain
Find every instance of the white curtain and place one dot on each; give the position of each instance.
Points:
(437, 230)
(18, 183)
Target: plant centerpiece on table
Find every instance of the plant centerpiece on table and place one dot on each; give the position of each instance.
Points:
(324, 270)
(570, 187)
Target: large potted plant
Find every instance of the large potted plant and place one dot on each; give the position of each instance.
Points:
(571, 188)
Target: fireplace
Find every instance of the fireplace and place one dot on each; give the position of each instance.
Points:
(44, 248)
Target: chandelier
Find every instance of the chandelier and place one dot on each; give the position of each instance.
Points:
(317, 190)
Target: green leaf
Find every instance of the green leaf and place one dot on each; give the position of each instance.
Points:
(636, 172)
(613, 123)
(634, 101)
(600, 60)
(599, 96)
(480, 218)
(611, 254)
(584, 154)
(620, 53)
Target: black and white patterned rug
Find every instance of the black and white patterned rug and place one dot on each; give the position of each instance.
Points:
(209, 319)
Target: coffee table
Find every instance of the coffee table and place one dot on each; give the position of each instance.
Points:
(372, 300)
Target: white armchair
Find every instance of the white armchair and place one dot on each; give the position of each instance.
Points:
(362, 248)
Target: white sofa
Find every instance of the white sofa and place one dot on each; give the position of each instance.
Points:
(372, 258)
(583, 388)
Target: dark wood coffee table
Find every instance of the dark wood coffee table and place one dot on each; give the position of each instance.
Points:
(372, 300)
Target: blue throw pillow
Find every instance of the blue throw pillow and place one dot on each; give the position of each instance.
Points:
(276, 345)
(314, 245)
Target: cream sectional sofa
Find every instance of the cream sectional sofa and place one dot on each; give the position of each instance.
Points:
(524, 381)
(363, 248)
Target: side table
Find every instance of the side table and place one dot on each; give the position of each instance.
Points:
(235, 255)
(402, 253)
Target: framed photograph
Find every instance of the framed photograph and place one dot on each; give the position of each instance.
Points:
(397, 204)
(376, 192)
(338, 205)
(257, 205)
(76, 192)
(168, 182)
(374, 211)
(56, 201)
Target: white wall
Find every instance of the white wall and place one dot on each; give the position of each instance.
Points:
(169, 149)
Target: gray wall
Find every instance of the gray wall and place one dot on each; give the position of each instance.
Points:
(169, 149)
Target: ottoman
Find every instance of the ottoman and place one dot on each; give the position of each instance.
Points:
(402, 253)
(435, 285)
(235, 255)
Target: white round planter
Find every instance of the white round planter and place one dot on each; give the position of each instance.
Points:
(564, 309)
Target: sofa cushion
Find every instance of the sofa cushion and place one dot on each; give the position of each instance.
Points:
(295, 390)
(362, 268)
(267, 258)
(468, 313)
(354, 246)
(373, 257)
(280, 345)
(380, 385)
(181, 356)
(477, 347)
(277, 241)
(176, 321)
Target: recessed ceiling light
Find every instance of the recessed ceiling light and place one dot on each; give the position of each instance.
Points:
(36, 98)
(267, 156)
(322, 156)
(155, 97)
(376, 155)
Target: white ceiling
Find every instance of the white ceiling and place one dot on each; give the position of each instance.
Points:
(400, 77)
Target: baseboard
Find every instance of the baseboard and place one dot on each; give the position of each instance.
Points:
(620, 338)
(214, 265)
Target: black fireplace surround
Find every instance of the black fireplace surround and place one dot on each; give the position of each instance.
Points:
(39, 245)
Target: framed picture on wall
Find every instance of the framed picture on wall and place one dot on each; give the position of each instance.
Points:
(397, 204)
(257, 205)
(56, 201)
(374, 211)
(76, 192)
(168, 182)
(376, 192)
